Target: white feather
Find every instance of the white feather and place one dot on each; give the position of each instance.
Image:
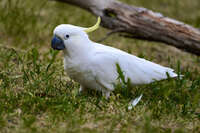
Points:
(134, 102)
(140, 71)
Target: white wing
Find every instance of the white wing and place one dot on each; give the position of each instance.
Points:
(140, 71)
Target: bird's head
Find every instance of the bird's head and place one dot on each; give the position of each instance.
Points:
(66, 34)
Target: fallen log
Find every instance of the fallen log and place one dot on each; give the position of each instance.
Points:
(142, 23)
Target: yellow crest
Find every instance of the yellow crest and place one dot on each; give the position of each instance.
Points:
(93, 28)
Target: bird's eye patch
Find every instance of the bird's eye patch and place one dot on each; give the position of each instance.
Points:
(66, 36)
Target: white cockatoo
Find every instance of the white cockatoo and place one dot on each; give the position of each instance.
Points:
(93, 65)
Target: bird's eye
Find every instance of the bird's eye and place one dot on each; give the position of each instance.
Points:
(67, 36)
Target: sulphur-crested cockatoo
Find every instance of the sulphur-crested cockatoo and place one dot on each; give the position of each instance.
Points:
(93, 65)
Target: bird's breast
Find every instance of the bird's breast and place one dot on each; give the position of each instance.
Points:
(79, 71)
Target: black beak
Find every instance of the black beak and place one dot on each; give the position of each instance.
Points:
(57, 43)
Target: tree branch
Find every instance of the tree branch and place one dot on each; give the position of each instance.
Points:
(142, 23)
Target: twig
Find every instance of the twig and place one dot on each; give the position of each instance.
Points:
(138, 37)
(109, 34)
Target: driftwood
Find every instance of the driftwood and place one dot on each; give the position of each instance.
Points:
(142, 23)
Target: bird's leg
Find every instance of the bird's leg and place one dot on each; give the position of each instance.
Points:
(82, 89)
(106, 94)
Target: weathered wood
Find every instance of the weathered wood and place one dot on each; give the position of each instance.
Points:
(142, 23)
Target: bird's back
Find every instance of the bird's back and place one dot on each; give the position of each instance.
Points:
(140, 71)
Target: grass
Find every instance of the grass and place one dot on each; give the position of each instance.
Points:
(37, 96)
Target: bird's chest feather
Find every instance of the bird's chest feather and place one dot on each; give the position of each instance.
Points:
(79, 70)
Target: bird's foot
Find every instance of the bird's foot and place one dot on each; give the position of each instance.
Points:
(106, 94)
(82, 89)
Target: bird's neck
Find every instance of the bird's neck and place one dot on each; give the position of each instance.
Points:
(78, 49)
